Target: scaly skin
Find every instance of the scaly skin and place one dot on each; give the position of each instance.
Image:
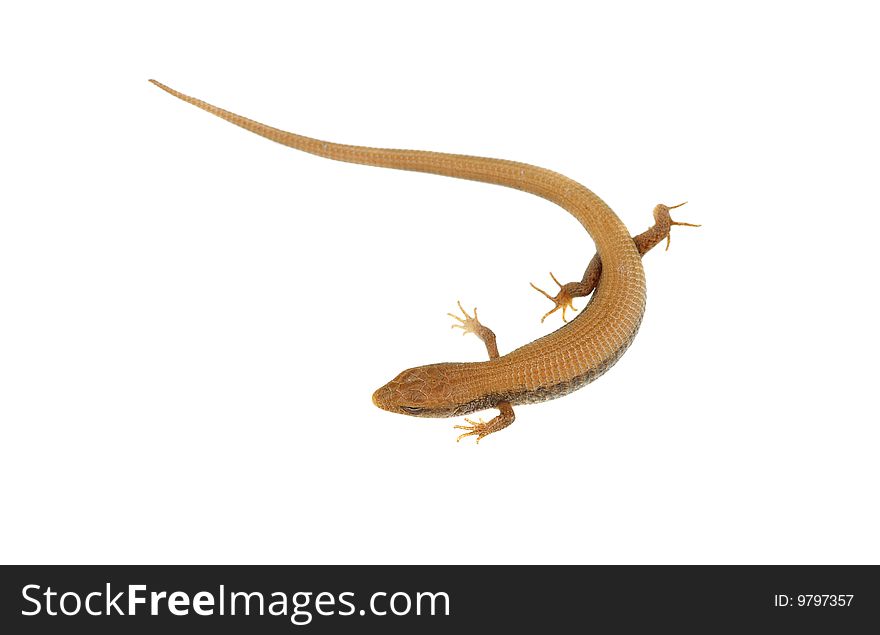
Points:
(551, 366)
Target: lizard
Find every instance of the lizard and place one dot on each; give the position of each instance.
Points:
(549, 367)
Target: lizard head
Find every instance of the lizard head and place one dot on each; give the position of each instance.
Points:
(425, 391)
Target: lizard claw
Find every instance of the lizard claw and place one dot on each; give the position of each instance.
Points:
(481, 429)
(563, 300)
(467, 324)
(672, 222)
(478, 429)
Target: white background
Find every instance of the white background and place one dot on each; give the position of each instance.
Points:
(193, 319)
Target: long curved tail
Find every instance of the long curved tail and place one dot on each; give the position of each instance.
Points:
(499, 171)
(522, 176)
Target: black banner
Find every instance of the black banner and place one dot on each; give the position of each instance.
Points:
(441, 599)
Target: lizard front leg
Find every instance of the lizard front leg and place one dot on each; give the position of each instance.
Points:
(506, 416)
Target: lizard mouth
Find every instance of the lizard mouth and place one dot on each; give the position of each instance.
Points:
(387, 398)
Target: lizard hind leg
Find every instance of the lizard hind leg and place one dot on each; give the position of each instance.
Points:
(662, 228)
(645, 241)
(571, 290)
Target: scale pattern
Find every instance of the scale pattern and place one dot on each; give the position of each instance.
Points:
(551, 366)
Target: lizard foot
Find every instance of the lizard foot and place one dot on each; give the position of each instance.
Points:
(482, 428)
(470, 324)
(467, 324)
(563, 300)
(672, 222)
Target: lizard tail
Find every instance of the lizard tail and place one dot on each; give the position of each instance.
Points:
(603, 225)
(514, 174)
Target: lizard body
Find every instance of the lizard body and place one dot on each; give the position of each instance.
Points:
(549, 367)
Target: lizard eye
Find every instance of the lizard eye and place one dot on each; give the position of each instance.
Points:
(412, 410)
